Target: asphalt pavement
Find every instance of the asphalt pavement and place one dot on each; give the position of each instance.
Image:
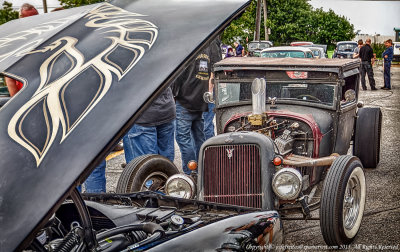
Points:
(380, 228)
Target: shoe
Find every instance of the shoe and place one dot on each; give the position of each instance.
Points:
(385, 88)
(374, 88)
(382, 87)
(364, 89)
(123, 165)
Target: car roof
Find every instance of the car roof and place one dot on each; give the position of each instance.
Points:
(286, 48)
(346, 42)
(339, 66)
(86, 80)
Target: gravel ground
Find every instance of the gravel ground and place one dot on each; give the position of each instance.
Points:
(380, 229)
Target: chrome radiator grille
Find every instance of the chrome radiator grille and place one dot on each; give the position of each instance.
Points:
(232, 175)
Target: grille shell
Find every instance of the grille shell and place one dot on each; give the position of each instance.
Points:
(232, 174)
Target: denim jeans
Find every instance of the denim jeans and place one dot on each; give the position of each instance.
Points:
(386, 74)
(141, 140)
(208, 118)
(189, 134)
(96, 182)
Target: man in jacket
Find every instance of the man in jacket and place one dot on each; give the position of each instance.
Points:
(387, 56)
(366, 55)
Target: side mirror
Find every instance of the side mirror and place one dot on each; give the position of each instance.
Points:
(208, 97)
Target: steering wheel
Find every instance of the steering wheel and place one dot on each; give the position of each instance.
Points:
(308, 97)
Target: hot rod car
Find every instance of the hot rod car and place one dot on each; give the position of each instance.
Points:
(292, 138)
(87, 74)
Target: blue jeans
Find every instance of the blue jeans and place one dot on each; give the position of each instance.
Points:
(208, 121)
(386, 74)
(189, 134)
(96, 182)
(141, 140)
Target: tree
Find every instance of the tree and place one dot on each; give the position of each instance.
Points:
(76, 3)
(7, 13)
(294, 20)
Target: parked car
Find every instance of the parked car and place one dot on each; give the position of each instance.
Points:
(286, 52)
(285, 127)
(255, 47)
(396, 51)
(4, 94)
(344, 49)
(301, 43)
(87, 78)
(318, 52)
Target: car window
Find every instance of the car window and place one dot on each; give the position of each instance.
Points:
(283, 54)
(347, 47)
(312, 93)
(309, 55)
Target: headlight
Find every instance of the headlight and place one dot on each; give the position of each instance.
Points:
(180, 186)
(287, 183)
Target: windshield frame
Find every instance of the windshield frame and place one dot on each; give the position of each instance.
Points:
(332, 106)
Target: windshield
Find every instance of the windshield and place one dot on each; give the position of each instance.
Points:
(347, 47)
(285, 54)
(231, 93)
(254, 46)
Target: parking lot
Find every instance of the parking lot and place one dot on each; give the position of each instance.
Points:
(380, 230)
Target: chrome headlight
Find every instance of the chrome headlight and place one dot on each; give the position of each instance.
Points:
(287, 183)
(180, 186)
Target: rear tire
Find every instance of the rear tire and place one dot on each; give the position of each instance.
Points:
(342, 201)
(146, 173)
(368, 136)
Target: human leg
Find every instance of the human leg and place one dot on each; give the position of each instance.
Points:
(363, 72)
(96, 182)
(184, 137)
(198, 133)
(370, 73)
(386, 75)
(209, 121)
(165, 140)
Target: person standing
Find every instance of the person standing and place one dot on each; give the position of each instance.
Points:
(14, 86)
(209, 116)
(366, 55)
(387, 56)
(188, 90)
(356, 53)
(239, 49)
(153, 132)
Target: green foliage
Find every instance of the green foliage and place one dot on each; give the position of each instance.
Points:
(378, 49)
(76, 3)
(7, 13)
(290, 21)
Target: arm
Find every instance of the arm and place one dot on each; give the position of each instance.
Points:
(11, 85)
(211, 83)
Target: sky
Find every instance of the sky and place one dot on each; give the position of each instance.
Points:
(370, 17)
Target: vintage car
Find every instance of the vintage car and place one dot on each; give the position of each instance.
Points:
(344, 49)
(292, 138)
(256, 46)
(287, 52)
(82, 68)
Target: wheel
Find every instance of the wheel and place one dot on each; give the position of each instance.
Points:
(368, 136)
(342, 201)
(146, 173)
(308, 98)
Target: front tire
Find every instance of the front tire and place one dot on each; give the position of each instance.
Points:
(146, 173)
(342, 201)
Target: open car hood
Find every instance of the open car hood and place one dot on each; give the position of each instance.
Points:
(88, 72)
